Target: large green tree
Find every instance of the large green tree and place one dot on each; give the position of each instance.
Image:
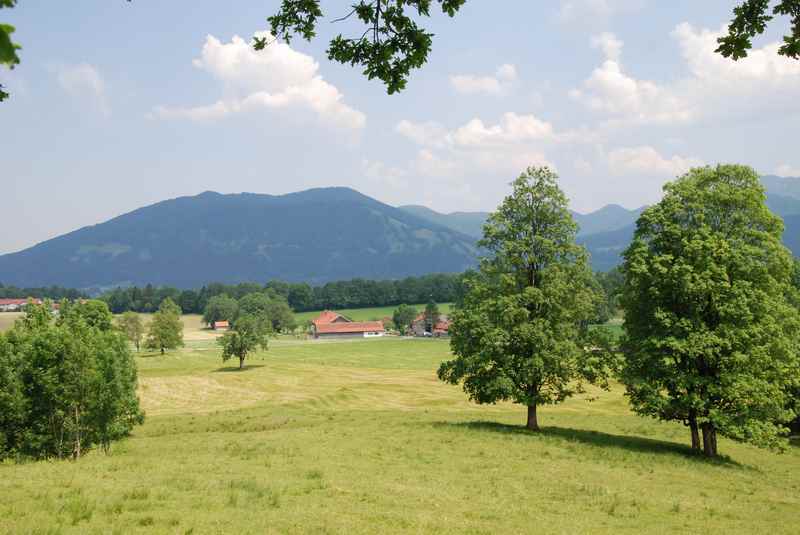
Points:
(712, 335)
(521, 332)
(65, 386)
(166, 328)
(248, 333)
(220, 308)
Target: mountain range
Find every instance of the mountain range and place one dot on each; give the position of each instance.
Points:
(316, 236)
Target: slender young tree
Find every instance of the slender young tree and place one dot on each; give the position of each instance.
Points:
(166, 328)
(521, 332)
(712, 335)
(403, 317)
(130, 323)
(248, 333)
(431, 316)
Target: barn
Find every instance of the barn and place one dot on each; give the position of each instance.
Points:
(332, 325)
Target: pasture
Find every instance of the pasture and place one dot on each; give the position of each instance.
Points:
(360, 437)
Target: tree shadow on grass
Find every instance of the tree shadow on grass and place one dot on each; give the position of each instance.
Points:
(597, 438)
(247, 367)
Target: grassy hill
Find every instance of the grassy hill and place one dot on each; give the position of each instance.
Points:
(360, 437)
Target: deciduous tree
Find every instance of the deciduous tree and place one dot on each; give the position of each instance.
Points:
(521, 331)
(220, 308)
(712, 336)
(130, 323)
(403, 316)
(248, 333)
(166, 328)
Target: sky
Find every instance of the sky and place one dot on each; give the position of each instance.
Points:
(118, 105)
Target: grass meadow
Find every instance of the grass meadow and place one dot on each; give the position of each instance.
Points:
(360, 437)
(367, 314)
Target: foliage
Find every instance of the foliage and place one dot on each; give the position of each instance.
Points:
(431, 316)
(247, 334)
(65, 386)
(8, 48)
(403, 316)
(273, 308)
(751, 19)
(712, 339)
(220, 308)
(355, 293)
(392, 45)
(56, 293)
(521, 332)
(166, 328)
(94, 312)
(130, 323)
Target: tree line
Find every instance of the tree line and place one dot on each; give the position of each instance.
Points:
(712, 310)
(56, 293)
(301, 297)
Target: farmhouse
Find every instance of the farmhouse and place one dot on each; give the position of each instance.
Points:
(221, 325)
(332, 325)
(441, 328)
(14, 305)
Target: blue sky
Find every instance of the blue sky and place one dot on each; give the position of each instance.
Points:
(117, 105)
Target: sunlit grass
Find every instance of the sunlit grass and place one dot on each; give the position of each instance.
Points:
(360, 437)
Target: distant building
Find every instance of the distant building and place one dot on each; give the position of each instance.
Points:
(220, 325)
(332, 325)
(441, 328)
(15, 305)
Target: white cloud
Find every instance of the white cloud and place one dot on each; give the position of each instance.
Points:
(609, 44)
(611, 91)
(647, 161)
(714, 88)
(277, 77)
(497, 85)
(787, 170)
(384, 174)
(84, 81)
(512, 144)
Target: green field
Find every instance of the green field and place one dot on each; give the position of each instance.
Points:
(360, 437)
(366, 314)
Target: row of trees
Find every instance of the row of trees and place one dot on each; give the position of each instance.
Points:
(67, 384)
(55, 293)
(711, 313)
(356, 293)
(165, 330)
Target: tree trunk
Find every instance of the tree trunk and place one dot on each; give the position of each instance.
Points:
(533, 422)
(162, 350)
(241, 363)
(695, 432)
(77, 451)
(709, 440)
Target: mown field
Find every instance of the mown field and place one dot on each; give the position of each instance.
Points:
(360, 437)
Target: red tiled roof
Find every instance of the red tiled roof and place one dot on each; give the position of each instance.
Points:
(17, 301)
(350, 327)
(327, 316)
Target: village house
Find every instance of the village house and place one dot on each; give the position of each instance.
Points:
(221, 325)
(332, 325)
(15, 305)
(419, 326)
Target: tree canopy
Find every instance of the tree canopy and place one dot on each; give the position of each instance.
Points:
(521, 332)
(65, 386)
(713, 331)
(166, 328)
(247, 334)
(393, 44)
